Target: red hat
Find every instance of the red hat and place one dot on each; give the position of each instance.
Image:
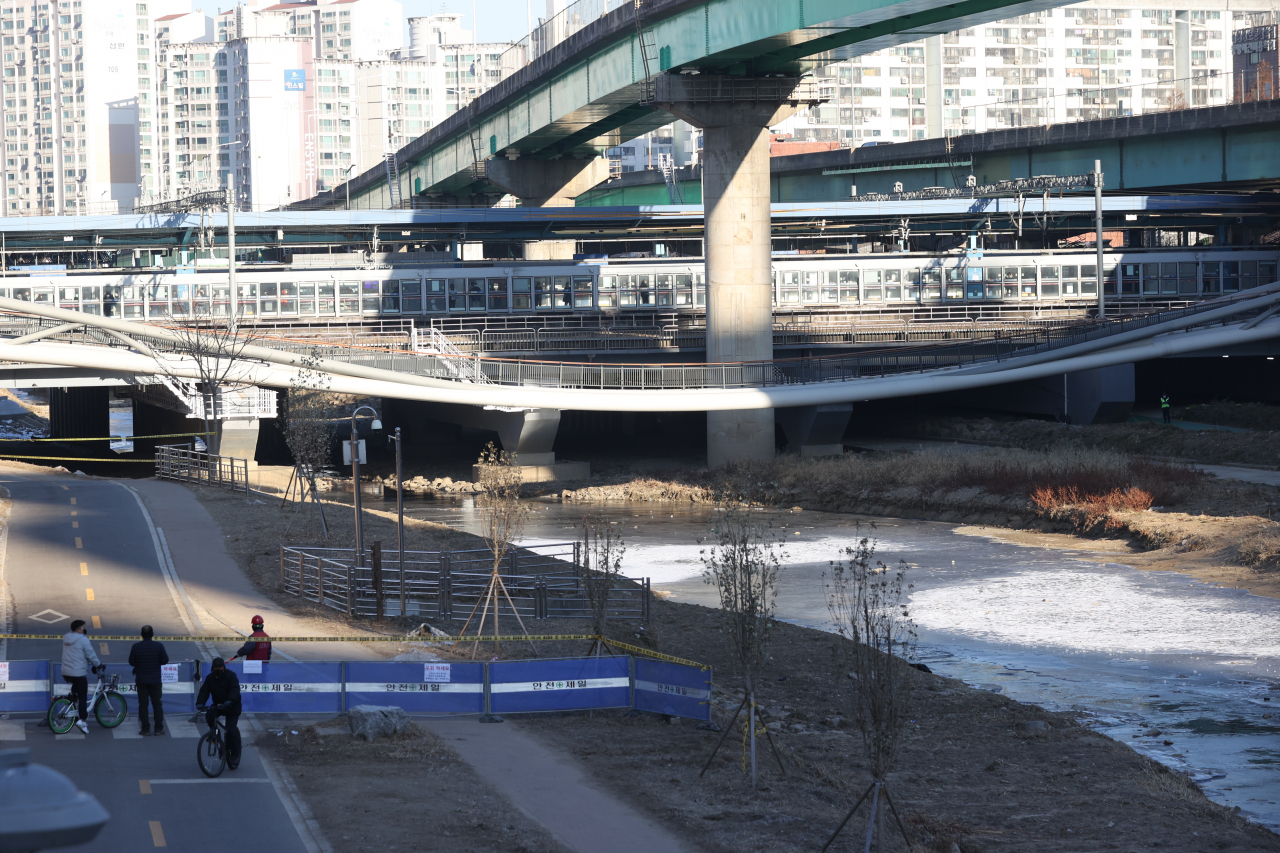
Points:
(257, 620)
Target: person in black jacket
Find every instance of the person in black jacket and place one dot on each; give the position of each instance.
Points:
(222, 686)
(146, 658)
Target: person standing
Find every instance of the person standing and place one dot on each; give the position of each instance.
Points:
(1164, 408)
(222, 687)
(77, 659)
(148, 659)
(258, 646)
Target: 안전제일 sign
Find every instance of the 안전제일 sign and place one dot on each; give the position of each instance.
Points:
(295, 80)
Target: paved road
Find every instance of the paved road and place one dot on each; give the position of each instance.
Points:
(83, 549)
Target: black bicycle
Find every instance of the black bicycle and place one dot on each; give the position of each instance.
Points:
(211, 751)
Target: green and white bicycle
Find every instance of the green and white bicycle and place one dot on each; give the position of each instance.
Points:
(109, 706)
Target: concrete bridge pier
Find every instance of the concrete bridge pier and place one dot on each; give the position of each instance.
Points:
(735, 114)
(546, 183)
(815, 430)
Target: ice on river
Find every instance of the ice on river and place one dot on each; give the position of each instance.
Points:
(1110, 613)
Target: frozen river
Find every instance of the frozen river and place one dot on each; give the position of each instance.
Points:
(1136, 651)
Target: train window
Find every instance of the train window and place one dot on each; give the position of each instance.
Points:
(582, 287)
(1150, 278)
(1168, 270)
(390, 302)
(848, 277)
(830, 287)
(1248, 274)
(973, 289)
(1266, 272)
(1048, 274)
(1048, 288)
(23, 293)
(871, 292)
(410, 296)
(608, 282)
(1028, 290)
(893, 276)
(1129, 281)
(289, 298)
(1011, 274)
(994, 291)
(348, 297)
(933, 275)
(791, 279)
(789, 292)
(542, 292)
(475, 294)
(1230, 276)
(521, 294)
(892, 292)
(809, 290)
(1071, 272)
(72, 295)
(848, 286)
(496, 290)
(306, 299)
(664, 281)
(699, 290)
(871, 276)
(457, 294)
(995, 274)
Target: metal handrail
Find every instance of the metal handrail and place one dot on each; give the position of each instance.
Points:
(175, 462)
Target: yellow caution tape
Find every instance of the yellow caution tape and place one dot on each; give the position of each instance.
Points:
(506, 638)
(4, 456)
(115, 437)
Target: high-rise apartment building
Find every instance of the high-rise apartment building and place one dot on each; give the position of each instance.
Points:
(109, 103)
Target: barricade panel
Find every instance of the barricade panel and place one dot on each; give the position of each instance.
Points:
(570, 684)
(179, 691)
(24, 685)
(286, 686)
(423, 687)
(673, 688)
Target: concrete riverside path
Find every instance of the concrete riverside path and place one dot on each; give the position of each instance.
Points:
(147, 551)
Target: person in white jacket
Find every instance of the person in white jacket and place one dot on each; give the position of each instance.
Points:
(78, 659)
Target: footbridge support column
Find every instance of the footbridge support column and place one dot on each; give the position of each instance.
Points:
(815, 430)
(735, 114)
(546, 183)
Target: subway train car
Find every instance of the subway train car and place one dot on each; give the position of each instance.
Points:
(279, 294)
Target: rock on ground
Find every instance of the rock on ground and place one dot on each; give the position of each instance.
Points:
(374, 721)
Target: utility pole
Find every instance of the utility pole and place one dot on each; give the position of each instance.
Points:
(1097, 213)
(231, 249)
(400, 520)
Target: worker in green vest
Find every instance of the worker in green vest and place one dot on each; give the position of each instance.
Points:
(1164, 408)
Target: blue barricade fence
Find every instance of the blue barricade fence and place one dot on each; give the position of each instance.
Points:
(24, 685)
(672, 688)
(426, 687)
(284, 686)
(179, 686)
(568, 684)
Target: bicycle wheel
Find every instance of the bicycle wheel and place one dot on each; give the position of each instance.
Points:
(211, 755)
(110, 709)
(62, 715)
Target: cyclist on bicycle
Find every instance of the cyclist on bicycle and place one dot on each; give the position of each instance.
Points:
(77, 661)
(258, 646)
(222, 686)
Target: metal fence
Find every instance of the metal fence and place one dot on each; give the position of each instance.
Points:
(177, 462)
(542, 581)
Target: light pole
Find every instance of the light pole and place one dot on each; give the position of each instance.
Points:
(346, 173)
(231, 240)
(355, 477)
(399, 519)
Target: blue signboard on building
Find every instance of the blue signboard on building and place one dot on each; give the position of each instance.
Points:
(295, 80)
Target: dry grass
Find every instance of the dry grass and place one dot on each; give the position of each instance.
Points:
(1256, 416)
(1261, 551)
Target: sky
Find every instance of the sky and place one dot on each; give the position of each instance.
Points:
(500, 20)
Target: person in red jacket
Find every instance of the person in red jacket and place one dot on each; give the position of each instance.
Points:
(258, 646)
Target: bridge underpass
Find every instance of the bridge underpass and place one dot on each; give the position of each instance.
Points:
(816, 392)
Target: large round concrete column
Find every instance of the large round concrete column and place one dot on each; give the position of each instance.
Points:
(735, 198)
(735, 114)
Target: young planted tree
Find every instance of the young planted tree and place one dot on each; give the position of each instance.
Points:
(743, 564)
(600, 550)
(308, 432)
(867, 604)
(212, 348)
(503, 517)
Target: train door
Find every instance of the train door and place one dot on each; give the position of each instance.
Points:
(872, 286)
(892, 285)
(410, 296)
(848, 283)
(1049, 286)
(665, 291)
(390, 303)
(830, 289)
(953, 288)
(457, 294)
(306, 299)
(583, 295)
(626, 291)
(809, 289)
(289, 298)
(498, 295)
(789, 289)
(644, 289)
(1150, 279)
(608, 288)
(683, 292)
(1027, 283)
(995, 279)
(522, 293)
(913, 287)
(326, 298)
(246, 299)
(1188, 278)
(90, 300)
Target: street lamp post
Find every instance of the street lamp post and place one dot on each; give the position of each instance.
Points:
(399, 518)
(231, 239)
(355, 477)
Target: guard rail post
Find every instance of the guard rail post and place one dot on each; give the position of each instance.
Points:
(648, 594)
(445, 597)
(376, 559)
(282, 568)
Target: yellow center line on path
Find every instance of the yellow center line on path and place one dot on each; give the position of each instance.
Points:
(144, 785)
(79, 542)
(88, 594)
(75, 525)
(157, 834)
(103, 648)
(97, 623)
(65, 489)
(75, 512)
(84, 568)
(73, 500)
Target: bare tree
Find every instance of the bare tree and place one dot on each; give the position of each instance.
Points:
(866, 601)
(214, 348)
(601, 552)
(308, 431)
(743, 564)
(503, 517)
